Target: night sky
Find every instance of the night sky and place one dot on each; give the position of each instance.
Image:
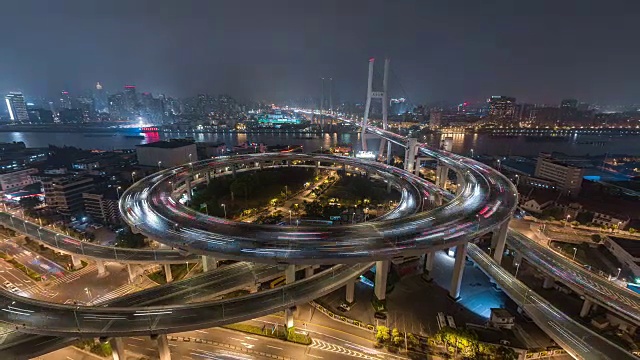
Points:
(539, 51)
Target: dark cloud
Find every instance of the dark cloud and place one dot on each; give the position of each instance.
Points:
(538, 51)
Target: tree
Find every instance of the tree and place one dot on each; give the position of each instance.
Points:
(382, 334)
(396, 337)
(30, 203)
(506, 353)
(632, 230)
(127, 239)
(412, 340)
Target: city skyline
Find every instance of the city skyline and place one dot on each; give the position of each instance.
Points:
(275, 52)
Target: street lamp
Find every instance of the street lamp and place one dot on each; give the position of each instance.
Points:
(517, 268)
(353, 218)
(118, 191)
(133, 176)
(189, 157)
(159, 163)
(618, 275)
(472, 153)
(286, 191)
(224, 207)
(289, 217)
(575, 250)
(567, 220)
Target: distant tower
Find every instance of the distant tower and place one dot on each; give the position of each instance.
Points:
(385, 104)
(330, 95)
(322, 106)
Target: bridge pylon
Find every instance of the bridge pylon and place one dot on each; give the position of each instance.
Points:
(383, 95)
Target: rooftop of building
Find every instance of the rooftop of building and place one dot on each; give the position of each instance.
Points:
(171, 144)
(500, 312)
(541, 196)
(630, 246)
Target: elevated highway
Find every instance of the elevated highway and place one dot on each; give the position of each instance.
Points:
(484, 204)
(75, 247)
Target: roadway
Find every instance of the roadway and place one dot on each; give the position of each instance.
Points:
(486, 201)
(621, 301)
(71, 246)
(45, 318)
(577, 340)
(484, 191)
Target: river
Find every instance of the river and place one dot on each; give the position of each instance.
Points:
(462, 143)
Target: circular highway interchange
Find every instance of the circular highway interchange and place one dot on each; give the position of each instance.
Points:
(485, 201)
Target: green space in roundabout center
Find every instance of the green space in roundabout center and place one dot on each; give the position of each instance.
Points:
(273, 196)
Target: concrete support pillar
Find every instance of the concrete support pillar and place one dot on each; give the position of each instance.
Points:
(209, 263)
(410, 154)
(442, 175)
(586, 307)
(130, 272)
(188, 185)
(344, 168)
(208, 177)
(308, 272)
(261, 164)
(75, 261)
(167, 273)
(388, 152)
(416, 167)
(288, 318)
(233, 170)
(380, 287)
(499, 238)
(458, 269)
(429, 261)
(548, 282)
(117, 348)
(350, 292)
(290, 274)
(163, 347)
(101, 267)
(388, 187)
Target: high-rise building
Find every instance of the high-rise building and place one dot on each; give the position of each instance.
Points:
(100, 101)
(17, 107)
(569, 104)
(502, 107)
(102, 207)
(568, 110)
(131, 105)
(116, 107)
(65, 100)
(567, 177)
(65, 194)
(435, 119)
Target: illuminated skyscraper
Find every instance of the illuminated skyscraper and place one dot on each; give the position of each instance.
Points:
(100, 102)
(65, 100)
(17, 107)
(502, 107)
(131, 101)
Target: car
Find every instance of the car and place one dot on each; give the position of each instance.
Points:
(380, 315)
(344, 307)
